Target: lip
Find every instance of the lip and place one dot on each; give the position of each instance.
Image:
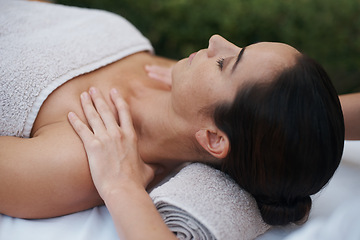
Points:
(191, 57)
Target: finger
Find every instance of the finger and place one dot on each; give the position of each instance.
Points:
(168, 73)
(103, 109)
(159, 73)
(157, 69)
(149, 173)
(80, 128)
(156, 76)
(91, 114)
(160, 78)
(124, 113)
(155, 168)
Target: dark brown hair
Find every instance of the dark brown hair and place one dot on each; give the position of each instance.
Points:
(286, 139)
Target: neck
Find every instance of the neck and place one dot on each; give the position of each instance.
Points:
(164, 137)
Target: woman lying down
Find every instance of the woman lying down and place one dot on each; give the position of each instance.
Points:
(74, 91)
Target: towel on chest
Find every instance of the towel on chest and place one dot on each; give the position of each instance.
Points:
(43, 45)
(201, 202)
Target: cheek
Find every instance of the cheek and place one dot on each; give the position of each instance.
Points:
(196, 87)
(206, 92)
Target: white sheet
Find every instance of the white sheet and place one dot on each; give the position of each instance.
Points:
(343, 189)
(96, 223)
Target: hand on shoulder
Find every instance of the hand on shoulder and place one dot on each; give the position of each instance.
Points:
(111, 148)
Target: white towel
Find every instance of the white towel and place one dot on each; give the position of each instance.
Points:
(201, 202)
(44, 45)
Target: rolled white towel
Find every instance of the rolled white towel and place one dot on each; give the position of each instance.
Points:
(201, 202)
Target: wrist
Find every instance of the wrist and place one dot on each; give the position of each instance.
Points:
(123, 190)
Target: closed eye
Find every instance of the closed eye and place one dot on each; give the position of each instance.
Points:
(220, 63)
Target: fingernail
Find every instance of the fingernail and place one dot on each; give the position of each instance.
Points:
(92, 90)
(71, 115)
(84, 95)
(114, 90)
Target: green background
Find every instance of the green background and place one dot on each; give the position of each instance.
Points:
(327, 30)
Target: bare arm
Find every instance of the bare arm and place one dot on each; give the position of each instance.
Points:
(119, 173)
(45, 176)
(350, 104)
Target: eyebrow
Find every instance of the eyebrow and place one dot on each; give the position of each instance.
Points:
(238, 59)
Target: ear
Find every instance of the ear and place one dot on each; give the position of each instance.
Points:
(214, 142)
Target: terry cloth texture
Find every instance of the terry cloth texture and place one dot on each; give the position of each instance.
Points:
(201, 202)
(44, 45)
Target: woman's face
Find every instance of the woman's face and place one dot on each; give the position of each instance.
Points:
(215, 74)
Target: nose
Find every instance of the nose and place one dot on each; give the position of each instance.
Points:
(219, 45)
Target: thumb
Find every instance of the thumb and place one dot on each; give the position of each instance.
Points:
(151, 171)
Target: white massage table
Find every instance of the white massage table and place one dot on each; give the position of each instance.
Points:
(96, 223)
(343, 189)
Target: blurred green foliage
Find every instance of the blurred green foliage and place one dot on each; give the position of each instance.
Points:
(327, 30)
